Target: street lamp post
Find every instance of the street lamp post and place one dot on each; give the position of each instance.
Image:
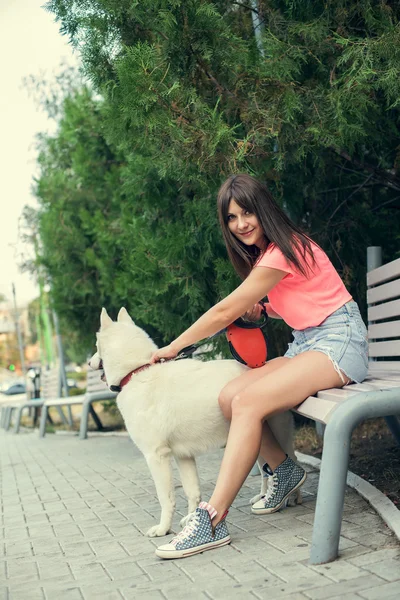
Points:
(18, 331)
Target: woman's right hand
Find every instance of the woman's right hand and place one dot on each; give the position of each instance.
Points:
(167, 352)
(254, 314)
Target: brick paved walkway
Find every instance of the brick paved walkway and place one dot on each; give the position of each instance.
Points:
(74, 513)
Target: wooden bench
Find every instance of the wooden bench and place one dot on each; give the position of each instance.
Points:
(341, 410)
(96, 390)
(5, 403)
(50, 388)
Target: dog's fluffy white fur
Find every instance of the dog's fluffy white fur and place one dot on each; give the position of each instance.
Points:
(171, 409)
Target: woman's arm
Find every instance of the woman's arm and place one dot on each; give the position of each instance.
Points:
(255, 286)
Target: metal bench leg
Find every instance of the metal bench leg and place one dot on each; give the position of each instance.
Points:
(35, 415)
(8, 417)
(96, 418)
(84, 420)
(335, 459)
(62, 416)
(394, 426)
(18, 419)
(319, 430)
(43, 419)
(69, 416)
(4, 411)
(3, 416)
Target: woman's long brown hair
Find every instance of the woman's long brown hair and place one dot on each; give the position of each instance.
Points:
(253, 196)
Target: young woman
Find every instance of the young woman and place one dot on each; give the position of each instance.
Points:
(276, 259)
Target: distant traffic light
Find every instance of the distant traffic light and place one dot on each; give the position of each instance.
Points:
(11, 367)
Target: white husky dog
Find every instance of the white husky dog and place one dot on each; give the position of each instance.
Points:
(171, 409)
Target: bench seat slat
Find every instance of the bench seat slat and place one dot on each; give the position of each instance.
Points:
(348, 391)
(315, 408)
(319, 408)
(382, 384)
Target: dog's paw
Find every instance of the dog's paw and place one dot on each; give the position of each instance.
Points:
(255, 499)
(157, 531)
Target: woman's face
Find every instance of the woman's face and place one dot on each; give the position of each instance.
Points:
(245, 226)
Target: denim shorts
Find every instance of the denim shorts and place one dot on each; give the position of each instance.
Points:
(342, 337)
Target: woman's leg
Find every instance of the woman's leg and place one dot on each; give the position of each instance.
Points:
(270, 450)
(280, 390)
(243, 381)
(275, 392)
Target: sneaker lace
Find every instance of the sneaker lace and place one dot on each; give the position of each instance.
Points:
(272, 487)
(187, 519)
(188, 530)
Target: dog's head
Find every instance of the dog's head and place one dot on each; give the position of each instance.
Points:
(122, 347)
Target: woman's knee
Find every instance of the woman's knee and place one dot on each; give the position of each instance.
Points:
(225, 401)
(242, 405)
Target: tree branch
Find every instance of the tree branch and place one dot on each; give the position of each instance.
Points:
(385, 203)
(385, 176)
(364, 183)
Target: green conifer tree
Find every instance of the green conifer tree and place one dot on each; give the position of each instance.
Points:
(189, 98)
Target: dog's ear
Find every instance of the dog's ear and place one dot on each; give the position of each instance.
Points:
(123, 316)
(105, 320)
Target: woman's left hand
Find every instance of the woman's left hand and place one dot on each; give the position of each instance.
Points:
(167, 352)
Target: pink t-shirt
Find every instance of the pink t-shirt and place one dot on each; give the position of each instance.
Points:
(305, 301)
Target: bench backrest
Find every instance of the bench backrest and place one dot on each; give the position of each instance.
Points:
(50, 384)
(383, 298)
(94, 383)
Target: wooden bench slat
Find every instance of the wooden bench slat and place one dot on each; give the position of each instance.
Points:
(342, 393)
(384, 311)
(333, 394)
(385, 375)
(356, 388)
(315, 408)
(384, 384)
(96, 387)
(384, 273)
(391, 348)
(383, 365)
(384, 330)
(387, 291)
(94, 382)
(64, 401)
(319, 408)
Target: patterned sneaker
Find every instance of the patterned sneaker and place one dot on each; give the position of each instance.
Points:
(286, 478)
(198, 535)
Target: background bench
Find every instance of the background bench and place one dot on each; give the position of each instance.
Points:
(341, 410)
(50, 387)
(96, 390)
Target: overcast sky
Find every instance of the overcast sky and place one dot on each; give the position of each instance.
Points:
(30, 44)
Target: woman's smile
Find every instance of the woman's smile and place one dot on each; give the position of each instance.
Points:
(246, 233)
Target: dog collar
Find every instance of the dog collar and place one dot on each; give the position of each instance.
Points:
(127, 378)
